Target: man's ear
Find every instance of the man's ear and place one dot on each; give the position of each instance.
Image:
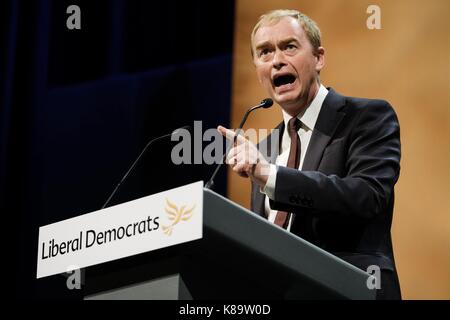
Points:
(320, 55)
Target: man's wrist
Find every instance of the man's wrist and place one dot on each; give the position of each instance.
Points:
(260, 173)
(264, 174)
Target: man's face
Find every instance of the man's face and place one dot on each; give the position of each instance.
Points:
(286, 64)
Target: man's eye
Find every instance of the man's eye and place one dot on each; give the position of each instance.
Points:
(290, 47)
(263, 52)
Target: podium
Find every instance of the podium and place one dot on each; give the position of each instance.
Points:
(240, 256)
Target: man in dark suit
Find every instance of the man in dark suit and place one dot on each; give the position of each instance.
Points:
(329, 177)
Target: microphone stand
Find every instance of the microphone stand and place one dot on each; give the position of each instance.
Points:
(137, 160)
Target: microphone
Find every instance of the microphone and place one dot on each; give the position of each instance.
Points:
(139, 157)
(266, 103)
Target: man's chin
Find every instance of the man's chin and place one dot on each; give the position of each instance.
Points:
(286, 99)
(291, 105)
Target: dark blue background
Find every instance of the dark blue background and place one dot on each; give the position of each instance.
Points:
(77, 107)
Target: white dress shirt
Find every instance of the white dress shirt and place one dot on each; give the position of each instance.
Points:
(308, 120)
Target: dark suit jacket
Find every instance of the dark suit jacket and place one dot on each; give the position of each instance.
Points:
(342, 200)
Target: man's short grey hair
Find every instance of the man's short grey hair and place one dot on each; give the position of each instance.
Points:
(311, 29)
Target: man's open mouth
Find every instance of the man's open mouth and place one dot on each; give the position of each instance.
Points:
(284, 79)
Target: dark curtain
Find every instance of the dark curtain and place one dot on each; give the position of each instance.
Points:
(77, 107)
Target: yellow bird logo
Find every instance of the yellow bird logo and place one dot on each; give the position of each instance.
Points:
(176, 215)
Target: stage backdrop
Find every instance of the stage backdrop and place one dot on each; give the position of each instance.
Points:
(407, 62)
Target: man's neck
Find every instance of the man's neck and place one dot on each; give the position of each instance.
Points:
(294, 112)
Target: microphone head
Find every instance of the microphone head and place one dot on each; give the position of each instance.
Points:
(266, 103)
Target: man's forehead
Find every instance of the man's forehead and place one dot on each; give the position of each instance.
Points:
(282, 29)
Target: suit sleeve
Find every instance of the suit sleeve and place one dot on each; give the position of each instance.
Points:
(372, 163)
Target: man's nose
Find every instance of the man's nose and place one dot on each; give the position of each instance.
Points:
(278, 59)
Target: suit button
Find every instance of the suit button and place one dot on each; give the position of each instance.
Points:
(292, 199)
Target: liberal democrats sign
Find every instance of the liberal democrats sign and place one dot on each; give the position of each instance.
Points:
(157, 221)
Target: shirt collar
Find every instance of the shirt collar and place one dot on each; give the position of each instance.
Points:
(309, 115)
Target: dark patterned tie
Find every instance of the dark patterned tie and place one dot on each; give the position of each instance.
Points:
(282, 218)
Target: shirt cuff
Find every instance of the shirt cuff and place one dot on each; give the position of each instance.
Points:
(269, 188)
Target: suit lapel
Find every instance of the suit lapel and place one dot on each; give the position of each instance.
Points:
(329, 118)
